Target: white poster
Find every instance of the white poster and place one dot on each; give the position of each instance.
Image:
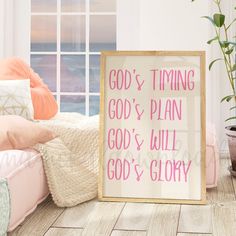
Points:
(152, 127)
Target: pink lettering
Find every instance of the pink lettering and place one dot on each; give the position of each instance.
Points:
(163, 140)
(119, 79)
(173, 79)
(119, 109)
(118, 169)
(118, 139)
(169, 109)
(169, 170)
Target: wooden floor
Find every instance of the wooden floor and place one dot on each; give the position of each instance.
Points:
(217, 218)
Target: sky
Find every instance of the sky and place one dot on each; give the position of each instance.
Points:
(102, 28)
(73, 5)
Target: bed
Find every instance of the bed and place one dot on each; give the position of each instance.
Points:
(22, 186)
(23, 183)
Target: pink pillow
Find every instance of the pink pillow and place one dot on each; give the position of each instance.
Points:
(19, 133)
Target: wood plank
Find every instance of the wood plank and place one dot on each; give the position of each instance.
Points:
(103, 218)
(128, 233)
(164, 220)
(189, 234)
(63, 232)
(75, 217)
(39, 222)
(135, 216)
(14, 232)
(224, 219)
(195, 219)
(225, 190)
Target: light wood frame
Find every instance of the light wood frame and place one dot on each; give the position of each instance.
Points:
(201, 55)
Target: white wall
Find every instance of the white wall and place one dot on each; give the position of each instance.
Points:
(141, 25)
(15, 29)
(176, 25)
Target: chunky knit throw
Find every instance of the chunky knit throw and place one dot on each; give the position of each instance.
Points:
(71, 159)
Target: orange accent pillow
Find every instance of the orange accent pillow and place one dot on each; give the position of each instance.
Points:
(45, 105)
(19, 133)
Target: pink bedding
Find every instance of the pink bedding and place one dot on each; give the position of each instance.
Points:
(26, 180)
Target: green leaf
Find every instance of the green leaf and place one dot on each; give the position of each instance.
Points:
(233, 68)
(224, 44)
(227, 98)
(232, 43)
(232, 108)
(212, 63)
(219, 19)
(210, 19)
(211, 40)
(228, 52)
(231, 118)
(234, 20)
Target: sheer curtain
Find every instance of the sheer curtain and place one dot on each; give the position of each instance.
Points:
(15, 29)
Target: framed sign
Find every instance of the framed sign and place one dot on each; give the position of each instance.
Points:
(152, 127)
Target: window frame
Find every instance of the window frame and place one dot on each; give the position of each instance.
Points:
(87, 53)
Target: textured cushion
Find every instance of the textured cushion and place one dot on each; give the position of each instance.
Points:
(26, 181)
(45, 105)
(19, 133)
(15, 98)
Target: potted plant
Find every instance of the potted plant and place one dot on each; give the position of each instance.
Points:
(227, 48)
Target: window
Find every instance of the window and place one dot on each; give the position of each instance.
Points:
(67, 37)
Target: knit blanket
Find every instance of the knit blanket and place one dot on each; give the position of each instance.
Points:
(71, 159)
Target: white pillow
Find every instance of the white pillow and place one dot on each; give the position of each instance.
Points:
(15, 98)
